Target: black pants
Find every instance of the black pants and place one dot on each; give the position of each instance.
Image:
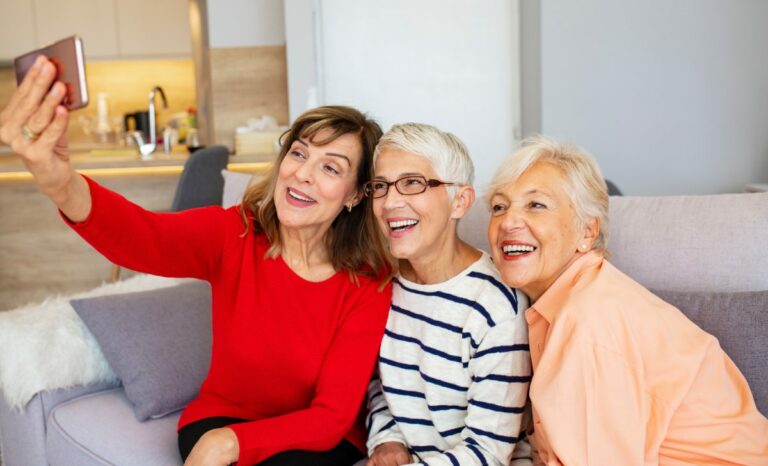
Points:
(342, 454)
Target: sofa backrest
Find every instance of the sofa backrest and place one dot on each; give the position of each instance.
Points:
(682, 243)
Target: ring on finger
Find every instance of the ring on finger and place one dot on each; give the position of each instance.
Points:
(29, 134)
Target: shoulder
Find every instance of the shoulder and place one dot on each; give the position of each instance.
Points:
(502, 302)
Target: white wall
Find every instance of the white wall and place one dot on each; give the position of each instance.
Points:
(300, 54)
(245, 23)
(453, 64)
(670, 96)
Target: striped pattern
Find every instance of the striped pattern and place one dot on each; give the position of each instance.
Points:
(454, 369)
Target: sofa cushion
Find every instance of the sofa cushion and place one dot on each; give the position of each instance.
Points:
(691, 243)
(100, 429)
(740, 322)
(158, 343)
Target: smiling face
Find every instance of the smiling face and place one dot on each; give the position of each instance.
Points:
(315, 182)
(534, 231)
(417, 226)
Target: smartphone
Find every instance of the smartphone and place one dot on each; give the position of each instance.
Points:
(67, 56)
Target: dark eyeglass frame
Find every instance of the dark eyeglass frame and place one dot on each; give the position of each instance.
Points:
(428, 183)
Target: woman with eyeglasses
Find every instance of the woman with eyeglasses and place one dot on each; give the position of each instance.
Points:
(454, 364)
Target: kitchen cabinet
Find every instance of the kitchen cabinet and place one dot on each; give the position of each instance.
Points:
(93, 20)
(17, 28)
(110, 29)
(159, 27)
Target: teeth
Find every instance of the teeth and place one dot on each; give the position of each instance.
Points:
(517, 248)
(301, 198)
(402, 224)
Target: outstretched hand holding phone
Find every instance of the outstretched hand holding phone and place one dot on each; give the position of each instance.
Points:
(34, 124)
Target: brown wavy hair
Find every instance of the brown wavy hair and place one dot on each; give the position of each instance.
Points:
(354, 240)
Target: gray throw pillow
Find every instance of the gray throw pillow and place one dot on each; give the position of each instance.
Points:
(740, 322)
(158, 342)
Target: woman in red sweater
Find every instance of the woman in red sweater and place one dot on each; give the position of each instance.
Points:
(298, 275)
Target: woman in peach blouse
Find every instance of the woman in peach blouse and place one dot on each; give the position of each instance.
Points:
(619, 376)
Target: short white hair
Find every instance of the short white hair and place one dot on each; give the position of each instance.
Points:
(586, 186)
(448, 155)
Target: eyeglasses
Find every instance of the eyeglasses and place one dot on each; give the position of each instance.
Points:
(407, 186)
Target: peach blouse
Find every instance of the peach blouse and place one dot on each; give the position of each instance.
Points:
(622, 377)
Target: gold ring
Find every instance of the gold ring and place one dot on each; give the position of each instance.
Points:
(28, 134)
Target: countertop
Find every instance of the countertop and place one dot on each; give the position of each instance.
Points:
(118, 161)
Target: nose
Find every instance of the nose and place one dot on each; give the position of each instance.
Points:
(511, 220)
(304, 173)
(393, 199)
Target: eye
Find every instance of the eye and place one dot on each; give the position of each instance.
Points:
(498, 209)
(378, 185)
(415, 181)
(536, 205)
(331, 169)
(297, 154)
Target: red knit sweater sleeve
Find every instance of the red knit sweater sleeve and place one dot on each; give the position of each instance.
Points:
(343, 379)
(181, 244)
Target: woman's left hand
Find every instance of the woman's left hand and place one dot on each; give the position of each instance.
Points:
(217, 447)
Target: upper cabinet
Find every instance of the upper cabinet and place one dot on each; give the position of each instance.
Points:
(148, 28)
(110, 29)
(17, 28)
(92, 20)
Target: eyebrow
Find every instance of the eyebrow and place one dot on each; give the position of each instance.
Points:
(332, 154)
(402, 175)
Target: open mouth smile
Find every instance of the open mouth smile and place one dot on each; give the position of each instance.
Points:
(301, 197)
(516, 250)
(401, 225)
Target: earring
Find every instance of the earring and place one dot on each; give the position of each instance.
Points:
(583, 248)
(349, 207)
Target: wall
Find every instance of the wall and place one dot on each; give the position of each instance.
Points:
(246, 67)
(671, 97)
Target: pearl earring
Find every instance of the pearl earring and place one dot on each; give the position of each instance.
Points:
(349, 207)
(583, 247)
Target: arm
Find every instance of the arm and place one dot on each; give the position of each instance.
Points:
(386, 444)
(501, 372)
(180, 244)
(346, 371)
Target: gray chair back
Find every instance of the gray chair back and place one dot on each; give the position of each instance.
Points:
(201, 183)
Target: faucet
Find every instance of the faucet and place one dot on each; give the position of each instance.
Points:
(147, 148)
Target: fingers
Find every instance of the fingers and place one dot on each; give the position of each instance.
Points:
(56, 129)
(28, 100)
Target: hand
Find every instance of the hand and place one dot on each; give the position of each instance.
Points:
(389, 454)
(34, 124)
(217, 447)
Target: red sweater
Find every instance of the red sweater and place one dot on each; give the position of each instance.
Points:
(293, 356)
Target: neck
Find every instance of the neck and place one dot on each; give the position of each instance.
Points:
(303, 250)
(444, 263)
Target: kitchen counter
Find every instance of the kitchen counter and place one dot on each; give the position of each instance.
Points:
(116, 161)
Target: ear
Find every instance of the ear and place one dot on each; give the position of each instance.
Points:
(462, 201)
(591, 230)
(355, 199)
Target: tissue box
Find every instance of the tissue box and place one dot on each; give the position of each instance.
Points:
(257, 142)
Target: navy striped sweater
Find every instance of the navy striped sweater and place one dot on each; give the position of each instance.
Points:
(454, 369)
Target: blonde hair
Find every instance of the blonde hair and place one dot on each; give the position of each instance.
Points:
(448, 155)
(586, 186)
(354, 240)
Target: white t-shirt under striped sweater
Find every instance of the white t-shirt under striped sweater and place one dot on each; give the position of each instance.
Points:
(454, 369)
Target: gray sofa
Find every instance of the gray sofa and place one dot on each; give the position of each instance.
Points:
(706, 254)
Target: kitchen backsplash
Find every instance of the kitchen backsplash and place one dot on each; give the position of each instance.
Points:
(128, 84)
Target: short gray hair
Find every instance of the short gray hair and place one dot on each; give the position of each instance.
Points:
(448, 155)
(586, 186)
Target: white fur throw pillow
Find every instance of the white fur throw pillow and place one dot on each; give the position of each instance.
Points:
(46, 346)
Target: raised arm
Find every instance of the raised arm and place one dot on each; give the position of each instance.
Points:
(34, 124)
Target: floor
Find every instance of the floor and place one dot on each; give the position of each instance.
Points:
(40, 256)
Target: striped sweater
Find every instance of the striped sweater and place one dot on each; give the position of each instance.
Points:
(454, 369)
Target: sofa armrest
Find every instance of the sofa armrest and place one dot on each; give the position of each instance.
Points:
(22, 432)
